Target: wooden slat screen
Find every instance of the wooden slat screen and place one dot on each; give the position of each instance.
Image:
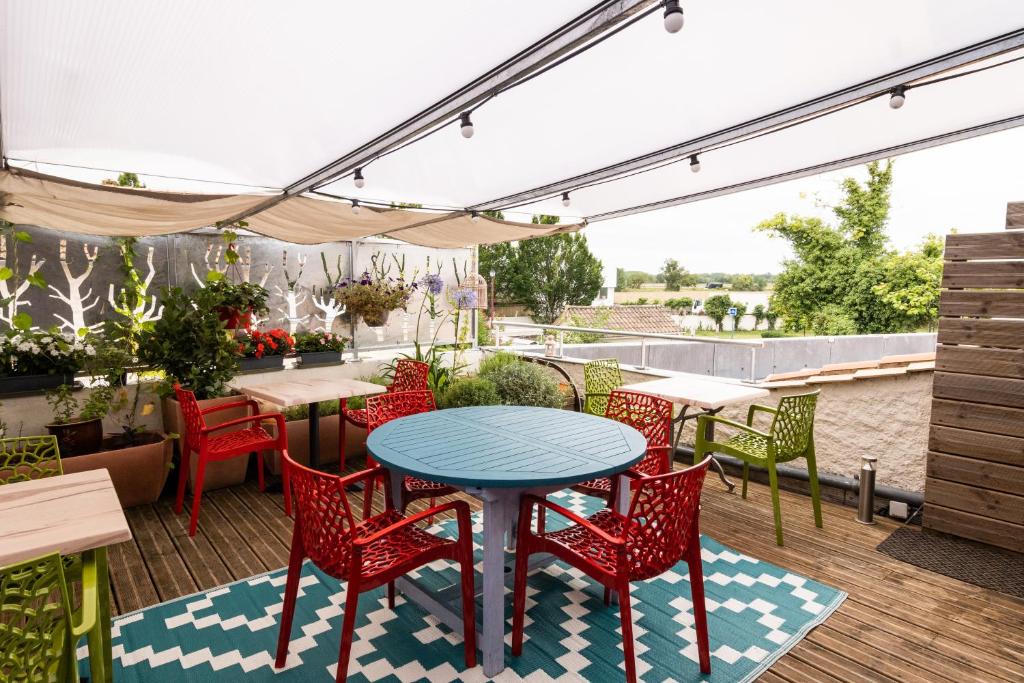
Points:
(975, 478)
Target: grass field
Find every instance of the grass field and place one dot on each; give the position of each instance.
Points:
(658, 295)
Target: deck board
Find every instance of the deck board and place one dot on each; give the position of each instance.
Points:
(899, 623)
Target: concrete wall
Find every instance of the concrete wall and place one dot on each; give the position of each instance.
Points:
(778, 355)
(883, 416)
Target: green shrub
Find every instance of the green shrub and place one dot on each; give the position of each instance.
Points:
(325, 409)
(526, 384)
(493, 361)
(772, 334)
(470, 391)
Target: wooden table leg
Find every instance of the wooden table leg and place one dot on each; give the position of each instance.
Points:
(492, 642)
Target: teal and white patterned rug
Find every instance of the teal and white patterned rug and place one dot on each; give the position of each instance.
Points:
(756, 612)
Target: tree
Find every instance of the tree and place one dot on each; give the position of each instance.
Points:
(620, 279)
(546, 274)
(741, 310)
(759, 315)
(771, 317)
(717, 307)
(681, 305)
(843, 279)
(746, 283)
(675, 276)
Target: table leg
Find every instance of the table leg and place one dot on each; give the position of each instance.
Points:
(709, 434)
(492, 642)
(678, 420)
(102, 650)
(314, 435)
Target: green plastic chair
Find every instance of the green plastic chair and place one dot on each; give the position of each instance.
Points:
(38, 630)
(600, 378)
(24, 458)
(790, 436)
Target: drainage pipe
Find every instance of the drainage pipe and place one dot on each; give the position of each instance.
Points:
(911, 498)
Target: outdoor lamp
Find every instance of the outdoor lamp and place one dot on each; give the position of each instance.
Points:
(466, 124)
(898, 96)
(493, 273)
(673, 16)
(565, 199)
(358, 177)
(355, 206)
(694, 163)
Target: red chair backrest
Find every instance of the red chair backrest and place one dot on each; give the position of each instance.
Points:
(663, 517)
(386, 407)
(323, 515)
(652, 417)
(192, 415)
(410, 375)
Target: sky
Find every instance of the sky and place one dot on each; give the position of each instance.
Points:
(964, 185)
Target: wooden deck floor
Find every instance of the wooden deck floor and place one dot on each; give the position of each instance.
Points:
(900, 623)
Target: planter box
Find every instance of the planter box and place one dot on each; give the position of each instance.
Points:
(320, 358)
(24, 383)
(138, 472)
(298, 444)
(221, 473)
(261, 364)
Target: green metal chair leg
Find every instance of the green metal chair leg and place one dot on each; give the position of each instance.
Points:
(812, 475)
(773, 481)
(746, 475)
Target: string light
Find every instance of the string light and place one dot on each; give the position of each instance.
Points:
(355, 206)
(674, 18)
(694, 163)
(565, 199)
(358, 177)
(466, 125)
(898, 96)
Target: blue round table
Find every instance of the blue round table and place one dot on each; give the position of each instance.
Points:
(498, 453)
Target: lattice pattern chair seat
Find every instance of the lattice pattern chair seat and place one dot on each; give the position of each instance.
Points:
(660, 529)
(410, 375)
(600, 377)
(652, 417)
(367, 554)
(209, 444)
(26, 458)
(790, 436)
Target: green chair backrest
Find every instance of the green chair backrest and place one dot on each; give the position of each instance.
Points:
(23, 458)
(35, 621)
(793, 426)
(600, 377)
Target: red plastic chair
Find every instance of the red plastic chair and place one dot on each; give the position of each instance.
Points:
(652, 417)
(410, 375)
(384, 408)
(369, 554)
(201, 439)
(660, 529)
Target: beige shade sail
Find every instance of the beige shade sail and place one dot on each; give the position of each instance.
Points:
(32, 198)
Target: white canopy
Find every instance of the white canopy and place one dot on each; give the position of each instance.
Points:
(267, 94)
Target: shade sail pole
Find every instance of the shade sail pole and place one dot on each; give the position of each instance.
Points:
(600, 18)
(992, 47)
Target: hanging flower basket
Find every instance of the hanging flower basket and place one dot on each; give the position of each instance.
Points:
(376, 317)
(372, 299)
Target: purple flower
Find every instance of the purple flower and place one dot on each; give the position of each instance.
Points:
(433, 283)
(464, 298)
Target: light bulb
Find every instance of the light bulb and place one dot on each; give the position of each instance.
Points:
(358, 177)
(565, 199)
(694, 163)
(474, 215)
(466, 124)
(355, 206)
(673, 16)
(898, 96)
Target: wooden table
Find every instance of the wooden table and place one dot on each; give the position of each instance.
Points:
(708, 396)
(68, 514)
(311, 392)
(496, 454)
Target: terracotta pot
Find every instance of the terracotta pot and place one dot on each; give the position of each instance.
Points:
(78, 438)
(298, 444)
(221, 473)
(138, 472)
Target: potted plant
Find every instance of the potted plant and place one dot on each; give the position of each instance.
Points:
(373, 297)
(319, 348)
(78, 427)
(190, 345)
(236, 302)
(36, 360)
(263, 350)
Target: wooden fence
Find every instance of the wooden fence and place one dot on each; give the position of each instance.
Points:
(975, 484)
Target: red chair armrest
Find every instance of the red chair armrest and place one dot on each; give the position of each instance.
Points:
(460, 507)
(276, 417)
(573, 517)
(234, 404)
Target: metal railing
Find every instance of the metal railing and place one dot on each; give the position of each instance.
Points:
(642, 336)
